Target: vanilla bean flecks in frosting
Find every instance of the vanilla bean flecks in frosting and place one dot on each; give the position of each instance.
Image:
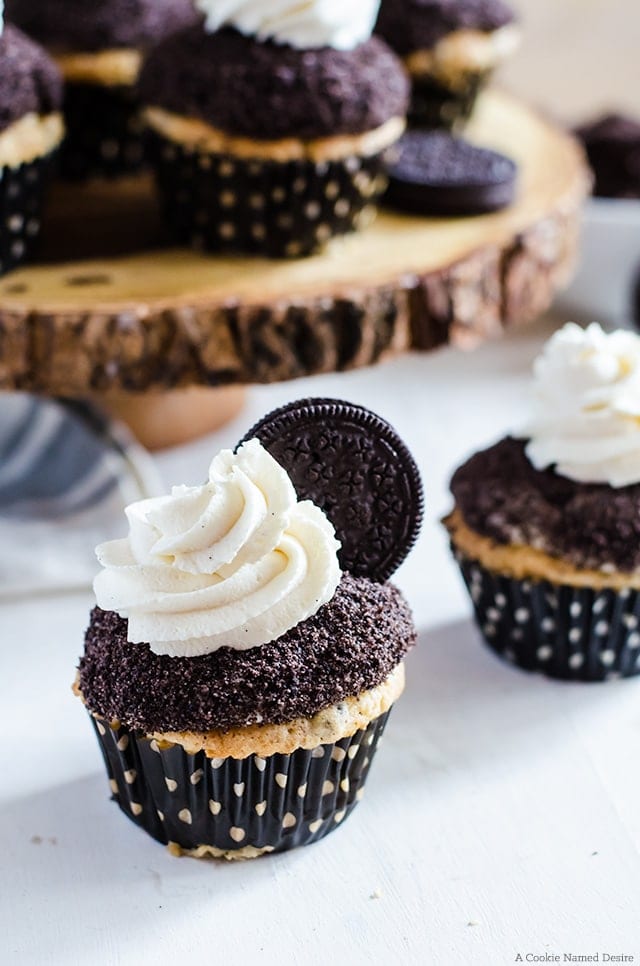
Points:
(234, 563)
(341, 24)
(586, 420)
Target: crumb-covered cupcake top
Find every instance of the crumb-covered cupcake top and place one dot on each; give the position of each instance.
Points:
(238, 587)
(342, 24)
(571, 486)
(500, 495)
(30, 83)
(267, 91)
(409, 25)
(235, 563)
(351, 645)
(94, 25)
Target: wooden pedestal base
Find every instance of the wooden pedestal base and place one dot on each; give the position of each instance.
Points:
(162, 419)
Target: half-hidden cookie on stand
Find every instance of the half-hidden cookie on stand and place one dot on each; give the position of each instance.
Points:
(238, 677)
(436, 173)
(98, 46)
(451, 49)
(546, 528)
(31, 130)
(270, 130)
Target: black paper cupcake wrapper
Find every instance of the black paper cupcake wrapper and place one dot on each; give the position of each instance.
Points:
(22, 193)
(219, 202)
(433, 105)
(105, 135)
(228, 805)
(572, 633)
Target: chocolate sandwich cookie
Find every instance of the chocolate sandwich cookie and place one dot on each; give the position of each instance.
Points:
(612, 144)
(433, 173)
(98, 47)
(375, 502)
(238, 679)
(450, 49)
(31, 130)
(265, 148)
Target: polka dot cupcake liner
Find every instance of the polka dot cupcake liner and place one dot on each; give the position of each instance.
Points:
(236, 807)
(22, 192)
(435, 106)
(571, 633)
(105, 135)
(218, 202)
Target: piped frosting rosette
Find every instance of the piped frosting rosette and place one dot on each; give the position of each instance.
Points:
(234, 563)
(586, 419)
(341, 24)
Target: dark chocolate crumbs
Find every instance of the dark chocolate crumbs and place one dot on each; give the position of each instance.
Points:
(351, 645)
(30, 82)
(503, 497)
(268, 91)
(409, 25)
(91, 25)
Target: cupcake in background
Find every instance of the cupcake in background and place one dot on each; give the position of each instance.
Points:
(546, 526)
(246, 651)
(612, 143)
(31, 130)
(450, 48)
(98, 45)
(270, 127)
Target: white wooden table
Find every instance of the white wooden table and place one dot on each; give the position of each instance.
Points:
(502, 815)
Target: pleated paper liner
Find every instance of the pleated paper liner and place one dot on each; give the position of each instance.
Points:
(433, 105)
(105, 136)
(571, 633)
(218, 202)
(22, 192)
(236, 808)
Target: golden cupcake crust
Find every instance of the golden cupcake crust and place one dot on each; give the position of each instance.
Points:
(522, 562)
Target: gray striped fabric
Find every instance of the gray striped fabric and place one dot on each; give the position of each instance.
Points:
(66, 474)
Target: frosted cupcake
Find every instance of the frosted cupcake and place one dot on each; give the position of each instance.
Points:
(270, 125)
(450, 48)
(98, 45)
(31, 130)
(237, 676)
(546, 527)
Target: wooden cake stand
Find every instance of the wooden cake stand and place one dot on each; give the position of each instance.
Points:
(112, 313)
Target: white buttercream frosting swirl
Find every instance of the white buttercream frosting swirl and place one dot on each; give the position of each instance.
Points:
(342, 24)
(586, 419)
(234, 563)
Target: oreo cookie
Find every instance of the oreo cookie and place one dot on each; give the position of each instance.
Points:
(353, 465)
(434, 173)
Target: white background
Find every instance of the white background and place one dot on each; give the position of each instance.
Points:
(502, 812)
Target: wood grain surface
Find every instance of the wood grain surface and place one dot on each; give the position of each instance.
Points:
(174, 318)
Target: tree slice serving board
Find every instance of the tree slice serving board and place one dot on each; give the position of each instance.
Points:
(168, 318)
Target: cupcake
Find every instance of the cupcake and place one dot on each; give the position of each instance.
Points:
(450, 48)
(247, 648)
(270, 129)
(612, 144)
(546, 525)
(98, 46)
(31, 129)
